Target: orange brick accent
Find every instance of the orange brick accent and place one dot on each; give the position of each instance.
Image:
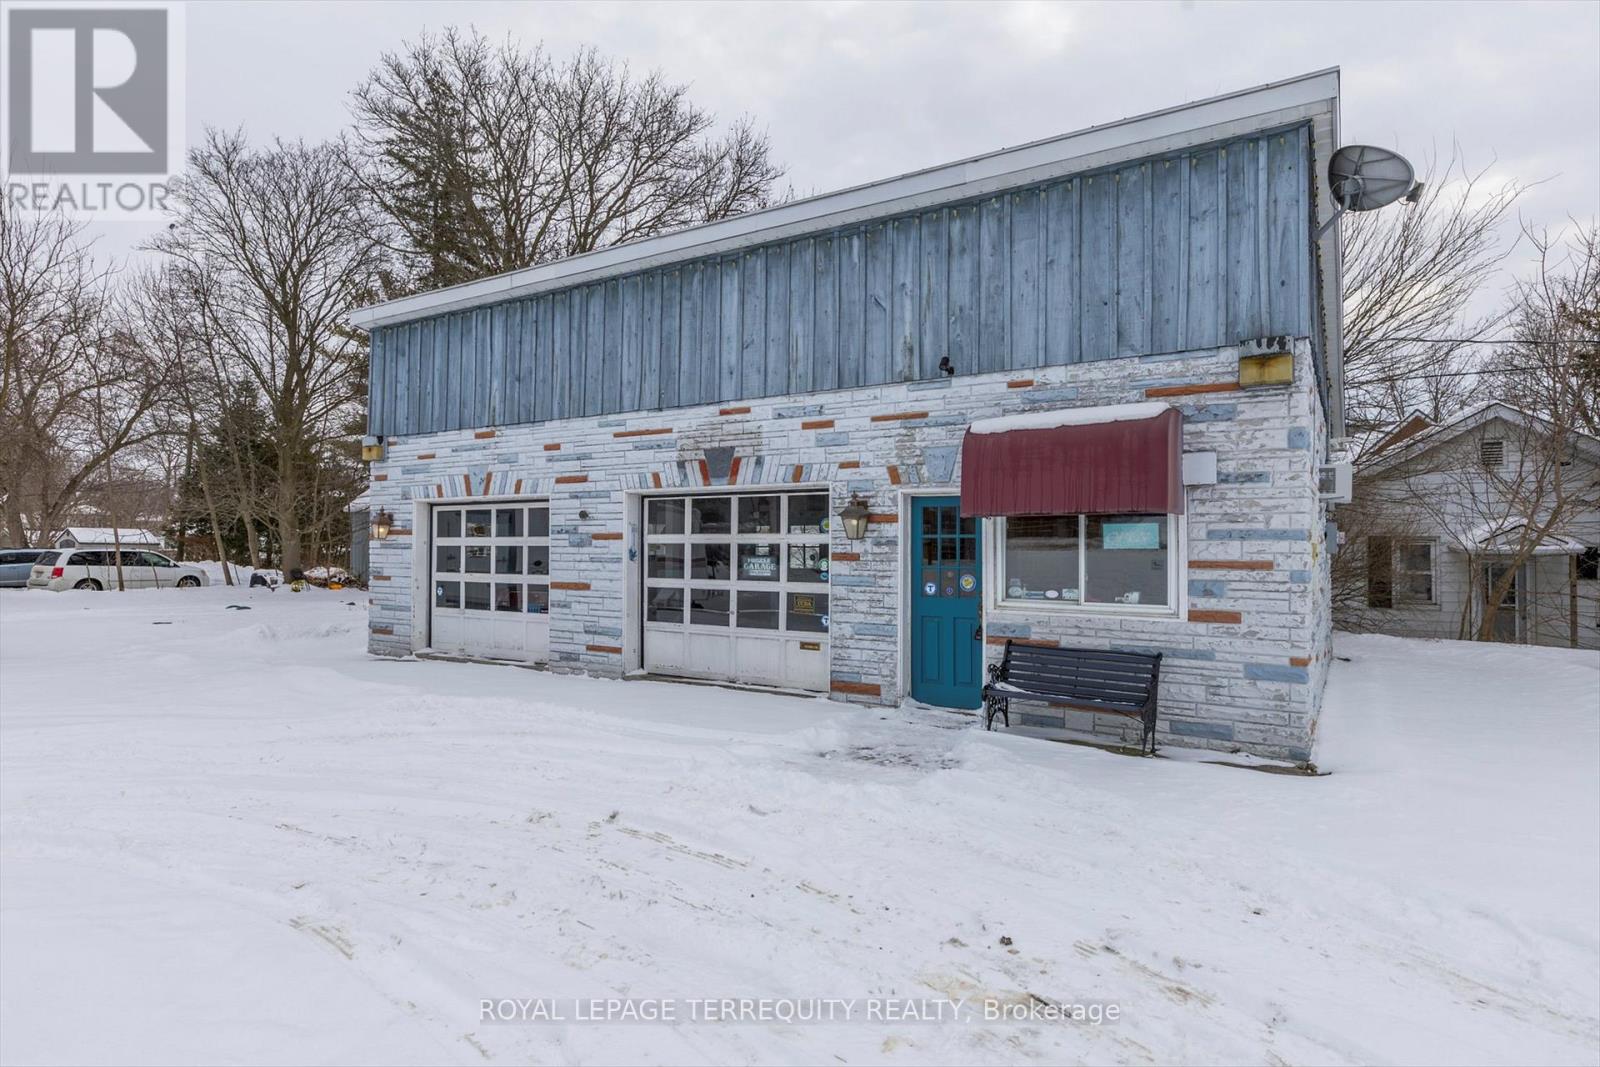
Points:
(799, 473)
(517, 488)
(610, 649)
(864, 689)
(882, 517)
(481, 434)
(426, 455)
(439, 487)
(734, 411)
(655, 479)
(894, 474)
(817, 424)
(605, 537)
(900, 416)
(380, 578)
(386, 630)
(1299, 661)
(849, 464)
(656, 432)
(1032, 642)
(1020, 383)
(1197, 615)
(1191, 390)
(576, 587)
(399, 532)
(466, 480)
(572, 479)
(705, 473)
(846, 557)
(380, 477)
(553, 448)
(488, 480)
(733, 471)
(1231, 564)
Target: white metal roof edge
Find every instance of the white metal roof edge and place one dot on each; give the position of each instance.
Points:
(1184, 125)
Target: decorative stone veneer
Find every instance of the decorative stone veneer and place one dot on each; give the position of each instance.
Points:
(1246, 653)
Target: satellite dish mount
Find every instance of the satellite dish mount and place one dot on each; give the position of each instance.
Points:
(1365, 178)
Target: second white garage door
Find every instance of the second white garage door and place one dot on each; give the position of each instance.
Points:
(736, 588)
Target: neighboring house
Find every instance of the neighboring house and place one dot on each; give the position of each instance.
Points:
(1492, 507)
(106, 537)
(784, 449)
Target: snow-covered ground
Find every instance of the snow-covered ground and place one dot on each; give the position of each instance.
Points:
(230, 836)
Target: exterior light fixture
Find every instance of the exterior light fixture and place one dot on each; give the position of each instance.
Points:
(854, 517)
(382, 523)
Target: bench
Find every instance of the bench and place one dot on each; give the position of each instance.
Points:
(1115, 683)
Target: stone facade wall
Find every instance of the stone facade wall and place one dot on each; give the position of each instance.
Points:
(1246, 651)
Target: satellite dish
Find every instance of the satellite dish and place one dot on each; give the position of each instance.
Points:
(1365, 178)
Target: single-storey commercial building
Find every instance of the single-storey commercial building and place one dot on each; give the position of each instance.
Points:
(1075, 392)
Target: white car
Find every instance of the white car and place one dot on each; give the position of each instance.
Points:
(96, 568)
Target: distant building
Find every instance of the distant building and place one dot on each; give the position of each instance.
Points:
(106, 537)
(1074, 393)
(1494, 505)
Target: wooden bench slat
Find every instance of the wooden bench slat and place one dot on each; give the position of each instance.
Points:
(1090, 680)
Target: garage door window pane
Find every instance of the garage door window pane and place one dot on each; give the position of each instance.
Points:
(758, 514)
(538, 599)
(711, 515)
(711, 561)
(508, 522)
(665, 517)
(476, 596)
(508, 597)
(447, 558)
(808, 563)
(448, 523)
(447, 594)
(808, 513)
(507, 559)
(665, 561)
(758, 611)
(538, 559)
(808, 612)
(709, 607)
(758, 563)
(478, 523)
(664, 605)
(478, 559)
(538, 522)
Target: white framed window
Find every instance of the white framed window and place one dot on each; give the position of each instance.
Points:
(1093, 562)
(1413, 572)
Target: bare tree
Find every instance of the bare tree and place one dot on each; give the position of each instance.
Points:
(282, 241)
(488, 158)
(1410, 275)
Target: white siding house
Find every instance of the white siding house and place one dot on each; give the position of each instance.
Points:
(1492, 506)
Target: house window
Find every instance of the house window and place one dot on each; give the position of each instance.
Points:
(1589, 565)
(1492, 453)
(1106, 560)
(1413, 572)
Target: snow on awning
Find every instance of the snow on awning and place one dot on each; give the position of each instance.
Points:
(1116, 459)
(1509, 539)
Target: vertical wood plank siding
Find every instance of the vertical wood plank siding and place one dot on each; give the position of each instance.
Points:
(1200, 249)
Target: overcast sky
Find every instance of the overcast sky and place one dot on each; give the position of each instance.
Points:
(854, 92)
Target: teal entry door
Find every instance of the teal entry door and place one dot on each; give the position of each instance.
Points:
(946, 596)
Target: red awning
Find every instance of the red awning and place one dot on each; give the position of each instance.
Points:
(1110, 460)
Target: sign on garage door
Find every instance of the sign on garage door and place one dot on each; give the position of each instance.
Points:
(736, 587)
(491, 581)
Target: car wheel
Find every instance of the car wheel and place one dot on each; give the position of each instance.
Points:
(89, 583)
(188, 581)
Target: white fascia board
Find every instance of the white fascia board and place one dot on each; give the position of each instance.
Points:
(1236, 114)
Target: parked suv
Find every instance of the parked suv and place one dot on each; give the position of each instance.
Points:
(94, 568)
(17, 563)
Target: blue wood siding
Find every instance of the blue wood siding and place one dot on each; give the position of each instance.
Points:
(1205, 248)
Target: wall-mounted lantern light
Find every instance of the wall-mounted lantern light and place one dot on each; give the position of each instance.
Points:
(382, 523)
(854, 517)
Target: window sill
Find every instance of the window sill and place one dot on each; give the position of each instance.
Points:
(1057, 607)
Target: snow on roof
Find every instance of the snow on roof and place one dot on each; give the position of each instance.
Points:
(1497, 536)
(105, 535)
(1049, 420)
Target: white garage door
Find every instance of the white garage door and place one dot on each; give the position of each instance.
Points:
(491, 580)
(736, 587)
